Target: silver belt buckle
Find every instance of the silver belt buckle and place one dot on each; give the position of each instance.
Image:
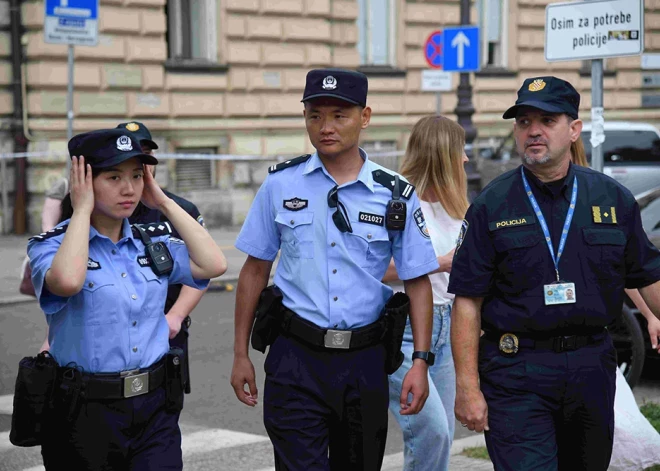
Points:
(135, 383)
(338, 338)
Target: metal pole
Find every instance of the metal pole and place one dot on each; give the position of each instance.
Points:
(597, 122)
(464, 111)
(69, 96)
(5, 202)
(438, 103)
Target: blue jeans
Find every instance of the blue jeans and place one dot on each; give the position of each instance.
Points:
(428, 435)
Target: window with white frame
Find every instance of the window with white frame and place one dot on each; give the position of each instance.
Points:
(376, 28)
(192, 30)
(493, 15)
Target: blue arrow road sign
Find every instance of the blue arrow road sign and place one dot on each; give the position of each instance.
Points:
(461, 51)
(71, 22)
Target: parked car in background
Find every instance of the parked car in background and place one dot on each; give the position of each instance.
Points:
(631, 153)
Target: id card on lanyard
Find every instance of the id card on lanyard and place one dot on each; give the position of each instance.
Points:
(557, 292)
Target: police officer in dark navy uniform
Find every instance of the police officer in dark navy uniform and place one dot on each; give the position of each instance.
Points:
(326, 389)
(541, 263)
(102, 285)
(181, 300)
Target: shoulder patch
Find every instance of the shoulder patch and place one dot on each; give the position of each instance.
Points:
(154, 229)
(289, 163)
(421, 223)
(200, 220)
(48, 234)
(387, 180)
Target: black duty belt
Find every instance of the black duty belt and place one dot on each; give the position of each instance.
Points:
(310, 333)
(509, 343)
(122, 385)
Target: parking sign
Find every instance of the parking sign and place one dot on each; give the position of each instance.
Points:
(71, 22)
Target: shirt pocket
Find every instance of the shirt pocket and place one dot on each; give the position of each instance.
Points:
(297, 233)
(97, 303)
(368, 247)
(520, 261)
(155, 292)
(603, 257)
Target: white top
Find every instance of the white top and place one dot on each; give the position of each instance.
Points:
(444, 231)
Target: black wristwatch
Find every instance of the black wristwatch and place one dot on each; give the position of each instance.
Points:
(428, 357)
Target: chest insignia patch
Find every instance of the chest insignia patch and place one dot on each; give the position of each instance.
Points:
(369, 218)
(461, 233)
(421, 223)
(519, 221)
(143, 261)
(93, 264)
(295, 204)
(604, 214)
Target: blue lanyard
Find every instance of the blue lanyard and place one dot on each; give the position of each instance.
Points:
(544, 225)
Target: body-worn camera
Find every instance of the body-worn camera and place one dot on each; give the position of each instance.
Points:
(395, 214)
(160, 258)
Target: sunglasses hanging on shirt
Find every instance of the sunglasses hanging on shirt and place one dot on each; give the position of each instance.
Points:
(340, 216)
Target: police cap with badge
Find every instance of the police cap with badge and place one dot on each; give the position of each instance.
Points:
(140, 132)
(550, 94)
(346, 85)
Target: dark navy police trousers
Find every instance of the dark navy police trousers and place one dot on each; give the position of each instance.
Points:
(133, 434)
(549, 411)
(325, 409)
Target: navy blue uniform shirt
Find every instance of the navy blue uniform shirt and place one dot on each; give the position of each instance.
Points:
(503, 257)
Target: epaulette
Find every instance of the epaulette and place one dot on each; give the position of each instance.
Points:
(153, 229)
(48, 234)
(387, 180)
(288, 163)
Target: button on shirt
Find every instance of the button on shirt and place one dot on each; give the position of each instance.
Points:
(330, 278)
(504, 258)
(116, 321)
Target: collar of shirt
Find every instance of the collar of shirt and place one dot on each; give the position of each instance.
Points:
(127, 233)
(315, 163)
(546, 192)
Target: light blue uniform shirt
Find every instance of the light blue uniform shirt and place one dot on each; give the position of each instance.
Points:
(116, 321)
(330, 278)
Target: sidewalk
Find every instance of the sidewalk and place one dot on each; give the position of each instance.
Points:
(13, 249)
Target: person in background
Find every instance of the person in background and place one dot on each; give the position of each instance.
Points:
(434, 163)
(652, 323)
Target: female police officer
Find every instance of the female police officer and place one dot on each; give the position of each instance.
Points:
(116, 404)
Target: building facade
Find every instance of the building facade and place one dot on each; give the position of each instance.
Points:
(226, 77)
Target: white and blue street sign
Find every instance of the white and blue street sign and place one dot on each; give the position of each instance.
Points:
(71, 22)
(461, 49)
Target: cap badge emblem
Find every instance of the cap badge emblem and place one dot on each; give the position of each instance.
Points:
(329, 83)
(132, 127)
(537, 85)
(124, 143)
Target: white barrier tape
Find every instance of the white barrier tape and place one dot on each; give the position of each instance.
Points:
(257, 158)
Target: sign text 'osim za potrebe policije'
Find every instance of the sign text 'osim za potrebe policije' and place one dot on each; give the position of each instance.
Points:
(593, 30)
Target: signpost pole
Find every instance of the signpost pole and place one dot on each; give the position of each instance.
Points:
(438, 103)
(597, 114)
(597, 118)
(69, 96)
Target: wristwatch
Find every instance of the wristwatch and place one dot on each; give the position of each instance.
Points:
(428, 357)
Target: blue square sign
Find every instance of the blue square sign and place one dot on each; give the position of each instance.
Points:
(71, 22)
(462, 47)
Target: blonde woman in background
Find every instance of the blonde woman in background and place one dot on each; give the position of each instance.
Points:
(434, 163)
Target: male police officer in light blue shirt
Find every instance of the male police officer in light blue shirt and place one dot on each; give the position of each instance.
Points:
(326, 213)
